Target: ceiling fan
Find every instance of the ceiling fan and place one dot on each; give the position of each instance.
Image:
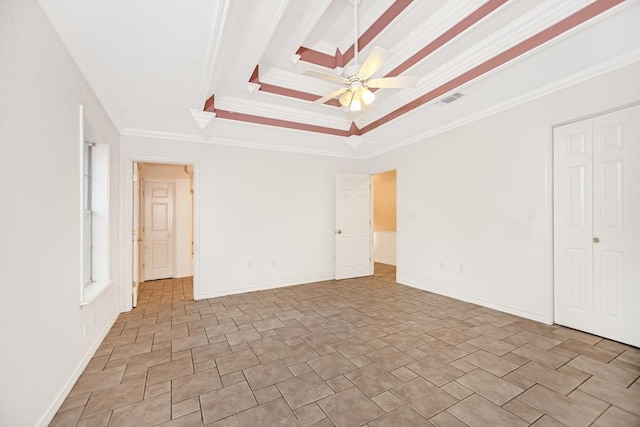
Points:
(356, 95)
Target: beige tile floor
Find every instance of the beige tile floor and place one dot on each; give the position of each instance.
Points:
(348, 353)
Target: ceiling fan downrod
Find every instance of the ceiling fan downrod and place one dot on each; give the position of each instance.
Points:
(355, 30)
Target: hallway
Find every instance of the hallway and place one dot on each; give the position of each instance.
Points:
(355, 352)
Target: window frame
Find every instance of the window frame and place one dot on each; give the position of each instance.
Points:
(94, 207)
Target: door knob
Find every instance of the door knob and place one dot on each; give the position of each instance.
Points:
(169, 234)
(596, 240)
(338, 231)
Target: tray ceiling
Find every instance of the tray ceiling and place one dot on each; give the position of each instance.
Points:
(231, 71)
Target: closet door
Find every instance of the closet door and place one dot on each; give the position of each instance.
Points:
(616, 225)
(573, 225)
(597, 225)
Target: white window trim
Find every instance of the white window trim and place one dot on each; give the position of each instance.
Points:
(100, 265)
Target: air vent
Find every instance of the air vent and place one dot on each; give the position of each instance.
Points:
(453, 97)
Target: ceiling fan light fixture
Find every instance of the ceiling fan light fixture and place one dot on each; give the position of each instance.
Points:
(367, 96)
(356, 105)
(345, 98)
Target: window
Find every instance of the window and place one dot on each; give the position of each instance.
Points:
(95, 214)
(87, 238)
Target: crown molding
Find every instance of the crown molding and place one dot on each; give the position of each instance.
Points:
(354, 141)
(268, 34)
(269, 110)
(211, 72)
(202, 117)
(576, 78)
(323, 47)
(450, 14)
(312, 24)
(253, 87)
(293, 80)
(227, 142)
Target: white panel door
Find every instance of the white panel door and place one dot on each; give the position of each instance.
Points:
(597, 225)
(616, 225)
(353, 226)
(573, 246)
(158, 230)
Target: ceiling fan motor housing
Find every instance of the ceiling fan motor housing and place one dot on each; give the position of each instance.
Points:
(351, 71)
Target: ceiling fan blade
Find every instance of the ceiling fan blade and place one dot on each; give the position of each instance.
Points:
(325, 76)
(393, 82)
(374, 61)
(330, 96)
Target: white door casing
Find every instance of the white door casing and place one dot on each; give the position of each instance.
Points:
(135, 231)
(158, 230)
(597, 225)
(353, 226)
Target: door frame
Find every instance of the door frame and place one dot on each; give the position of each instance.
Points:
(547, 205)
(126, 223)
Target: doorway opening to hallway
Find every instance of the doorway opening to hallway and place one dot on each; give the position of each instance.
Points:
(384, 220)
(163, 246)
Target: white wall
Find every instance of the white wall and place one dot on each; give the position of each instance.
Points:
(464, 199)
(41, 322)
(262, 218)
(384, 247)
(184, 223)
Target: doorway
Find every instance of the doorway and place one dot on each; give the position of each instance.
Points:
(164, 221)
(384, 219)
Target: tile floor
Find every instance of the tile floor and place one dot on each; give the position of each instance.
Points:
(355, 352)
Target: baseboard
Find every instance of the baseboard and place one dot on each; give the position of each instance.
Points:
(385, 261)
(506, 309)
(59, 400)
(266, 286)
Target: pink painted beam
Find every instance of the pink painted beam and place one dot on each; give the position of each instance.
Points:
(581, 16)
(475, 17)
(283, 91)
(242, 117)
(209, 106)
(341, 59)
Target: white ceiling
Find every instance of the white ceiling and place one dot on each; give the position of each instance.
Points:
(153, 62)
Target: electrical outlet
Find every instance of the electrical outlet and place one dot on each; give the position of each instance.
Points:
(250, 266)
(274, 262)
(462, 269)
(441, 266)
(532, 213)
